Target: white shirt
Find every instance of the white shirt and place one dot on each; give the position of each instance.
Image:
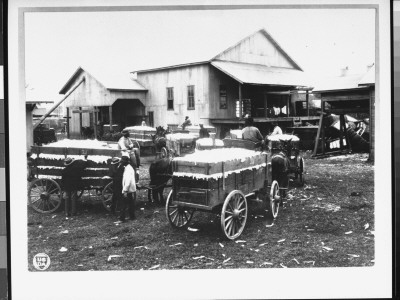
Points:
(277, 130)
(128, 180)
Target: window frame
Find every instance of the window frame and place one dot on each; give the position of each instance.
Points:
(190, 98)
(170, 89)
(222, 87)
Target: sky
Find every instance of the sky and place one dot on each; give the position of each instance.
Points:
(321, 41)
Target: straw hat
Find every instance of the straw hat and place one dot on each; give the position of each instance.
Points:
(68, 161)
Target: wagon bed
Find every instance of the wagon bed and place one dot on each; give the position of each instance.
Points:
(45, 191)
(220, 181)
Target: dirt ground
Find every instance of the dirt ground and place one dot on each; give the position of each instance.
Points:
(327, 223)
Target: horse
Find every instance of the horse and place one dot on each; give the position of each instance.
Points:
(159, 139)
(280, 165)
(160, 172)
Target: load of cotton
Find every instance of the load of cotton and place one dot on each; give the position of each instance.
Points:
(180, 136)
(90, 144)
(236, 133)
(283, 137)
(218, 155)
(140, 128)
(100, 159)
(209, 142)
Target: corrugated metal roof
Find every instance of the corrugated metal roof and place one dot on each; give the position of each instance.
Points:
(351, 81)
(260, 74)
(111, 80)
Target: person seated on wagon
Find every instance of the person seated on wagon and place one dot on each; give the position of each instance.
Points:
(187, 122)
(126, 146)
(277, 130)
(251, 133)
(203, 133)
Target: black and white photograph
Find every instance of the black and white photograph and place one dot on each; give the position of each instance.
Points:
(199, 150)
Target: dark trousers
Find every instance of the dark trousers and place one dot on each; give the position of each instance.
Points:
(127, 202)
(70, 203)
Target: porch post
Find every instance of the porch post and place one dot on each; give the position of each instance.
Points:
(95, 122)
(287, 105)
(80, 120)
(110, 115)
(266, 105)
(307, 104)
(240, 101)
(67, 123)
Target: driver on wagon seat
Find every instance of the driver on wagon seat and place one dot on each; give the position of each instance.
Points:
(251, 133)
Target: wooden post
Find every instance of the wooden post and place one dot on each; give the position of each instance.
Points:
(67, 123)
(110, 115)
(240, 101)
(266, 105)
(341, 128)
(322, 128)
(287, 106)
(80, 120)
(307, 104)
(95, 122)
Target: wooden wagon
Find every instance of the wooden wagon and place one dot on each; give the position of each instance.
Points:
(142, 136)
(45, 193)
(221, 185)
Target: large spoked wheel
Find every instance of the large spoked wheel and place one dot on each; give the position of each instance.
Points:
(234, 214)
(273, 201)
(107, 196)
(178, 216)
(301, 171)
(44, 195)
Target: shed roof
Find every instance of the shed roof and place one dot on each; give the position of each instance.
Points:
(260, 74)
(111, 80)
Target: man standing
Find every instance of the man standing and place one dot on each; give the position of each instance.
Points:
(251, 133)
(71, 181)
(128, 190)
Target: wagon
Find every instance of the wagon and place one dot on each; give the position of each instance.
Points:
(221, 181)
(45, 193)
(142, 137)
(296, 160)
(179, 143)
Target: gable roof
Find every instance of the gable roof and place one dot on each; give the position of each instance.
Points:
(110, 80)
(261, 74)
(205, 60)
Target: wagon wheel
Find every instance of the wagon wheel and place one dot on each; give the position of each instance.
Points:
(234, 214)
(164, 152)
(44, 195)
(178, 216)
(273, 200)
(301, 171)
(107, 196)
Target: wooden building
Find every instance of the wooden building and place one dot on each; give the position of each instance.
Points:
(348, 94)
(102, 98)
(254, 77)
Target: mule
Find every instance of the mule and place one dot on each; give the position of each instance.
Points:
(280, 165)
(160, 172)
(159, 139)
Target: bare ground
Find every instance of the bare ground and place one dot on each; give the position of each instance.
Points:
(327, 223)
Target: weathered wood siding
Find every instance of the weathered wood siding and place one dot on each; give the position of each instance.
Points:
(157, 83)
(256, 49)
(216, 79)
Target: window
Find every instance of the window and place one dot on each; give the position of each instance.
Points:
(222, 97)
(170, 98)
(190, 96)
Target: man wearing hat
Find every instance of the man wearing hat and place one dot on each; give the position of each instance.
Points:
(250, 132)
(126, 194)
(126, 147)
(71, 182)
(187, 122)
